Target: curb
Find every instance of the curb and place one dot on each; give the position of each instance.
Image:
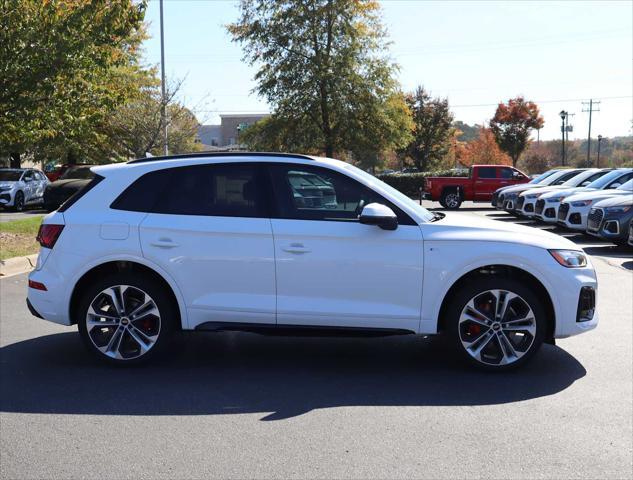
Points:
(17, 265)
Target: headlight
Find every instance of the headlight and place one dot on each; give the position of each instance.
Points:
(583, 203)
(555, 199)
(531, 196)
(4, 188)
(570, 258)
(622, 209)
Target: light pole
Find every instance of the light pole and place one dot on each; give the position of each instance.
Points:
(163, 113)
(599, 142)
(563, 116)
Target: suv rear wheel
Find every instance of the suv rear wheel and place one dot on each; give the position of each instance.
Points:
(496, 323)
(126, 318)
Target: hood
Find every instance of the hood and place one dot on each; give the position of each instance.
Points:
(619, 201)
(465, 227)
(541, 190)
(595, 195)
(68, 184)
(518, 188)
(565, 192)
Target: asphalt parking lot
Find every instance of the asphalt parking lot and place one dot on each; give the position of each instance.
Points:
(8, 215)
(245, 406)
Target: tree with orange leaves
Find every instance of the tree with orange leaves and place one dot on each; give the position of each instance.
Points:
(483, 150)
(512, 125)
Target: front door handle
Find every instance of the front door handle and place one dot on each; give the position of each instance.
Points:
(296, 248)
(164, 243)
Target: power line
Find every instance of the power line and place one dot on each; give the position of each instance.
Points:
(261, 112)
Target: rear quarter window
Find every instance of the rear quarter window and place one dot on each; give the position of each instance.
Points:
(487, 172)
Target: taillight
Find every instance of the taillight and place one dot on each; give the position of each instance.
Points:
(48, 234)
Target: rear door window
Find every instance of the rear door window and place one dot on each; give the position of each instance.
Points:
(233, 189)
(487, 172)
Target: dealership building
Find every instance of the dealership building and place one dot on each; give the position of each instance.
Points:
(226, 134)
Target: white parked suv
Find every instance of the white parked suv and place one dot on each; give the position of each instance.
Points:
(228, 242)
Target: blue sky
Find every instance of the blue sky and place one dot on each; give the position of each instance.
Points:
(475, 53)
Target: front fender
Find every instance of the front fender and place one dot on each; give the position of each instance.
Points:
(448, 261)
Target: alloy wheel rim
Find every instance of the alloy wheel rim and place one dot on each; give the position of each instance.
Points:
(497, 327)
(452, 200)
(19, 202)
(123, 322)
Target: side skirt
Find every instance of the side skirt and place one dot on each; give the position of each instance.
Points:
(300, 330)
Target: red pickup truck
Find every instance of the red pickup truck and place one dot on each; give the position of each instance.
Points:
(479, 186)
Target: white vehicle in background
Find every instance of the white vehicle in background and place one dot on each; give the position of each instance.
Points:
(573, 212)
(511, 195)
(498, 197)
(222, 242)
(526, 203)
(546, 208)
(20, 187)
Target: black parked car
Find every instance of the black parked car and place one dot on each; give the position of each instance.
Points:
(70, 182)
(610, 219)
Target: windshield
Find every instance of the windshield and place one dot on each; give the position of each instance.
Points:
(606, 179)
(83, 173)
(543, 176)
(586, 176)
(423, 212)
(10, 175)
(559, 177)
(628, 186)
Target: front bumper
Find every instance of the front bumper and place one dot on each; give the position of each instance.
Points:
(573, 218)
(567, 321)
(549, 212)
(526, 208)
(6, 198)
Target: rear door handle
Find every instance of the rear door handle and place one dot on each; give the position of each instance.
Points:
(164, 243)
(296, 248)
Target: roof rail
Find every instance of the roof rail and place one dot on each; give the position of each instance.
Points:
(220, 154)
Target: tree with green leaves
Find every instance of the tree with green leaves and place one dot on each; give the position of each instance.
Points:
(512, 125)
(64, 66)
(432, 129)
(137, 125)
(323, 67)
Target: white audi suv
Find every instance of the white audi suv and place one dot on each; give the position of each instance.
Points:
(234, 242)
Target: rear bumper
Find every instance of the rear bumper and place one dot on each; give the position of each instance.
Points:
(31, 308)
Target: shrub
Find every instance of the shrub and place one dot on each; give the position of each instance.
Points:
(410, 183)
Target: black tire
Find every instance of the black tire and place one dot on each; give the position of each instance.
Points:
(168, 317)
(451, 199)
(479, 286)
(18, 202)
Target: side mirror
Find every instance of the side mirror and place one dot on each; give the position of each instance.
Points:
(614, 185)
(379, 215)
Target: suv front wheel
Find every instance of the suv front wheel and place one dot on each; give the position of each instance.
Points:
(126, 318)
(496, 323)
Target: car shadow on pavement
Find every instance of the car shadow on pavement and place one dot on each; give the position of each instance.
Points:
(282, 377)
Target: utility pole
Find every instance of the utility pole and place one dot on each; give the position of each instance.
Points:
(163, 107)
(590, 107)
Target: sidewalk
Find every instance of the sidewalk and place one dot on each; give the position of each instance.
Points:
(17, 265)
